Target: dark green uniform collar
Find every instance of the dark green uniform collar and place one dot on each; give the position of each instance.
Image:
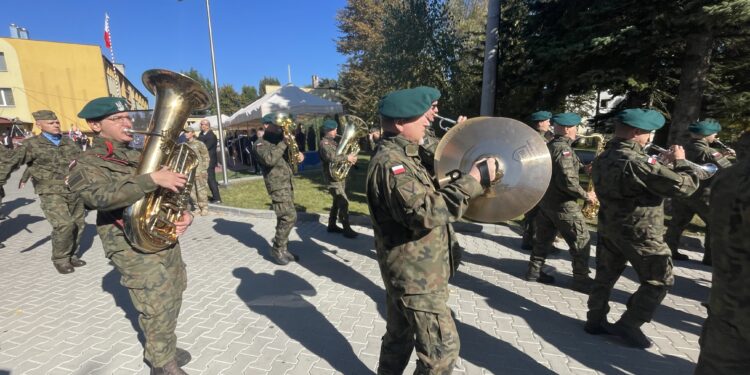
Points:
(559, 137)
(411, 148)
(628, 143)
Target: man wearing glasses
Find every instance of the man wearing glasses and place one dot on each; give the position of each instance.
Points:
(48, 156)
(105, 177)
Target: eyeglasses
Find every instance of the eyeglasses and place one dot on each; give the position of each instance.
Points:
(124, 118)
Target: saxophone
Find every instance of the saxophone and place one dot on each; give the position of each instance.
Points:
(149, 222)
(287, 126)
(354, 129)
(591, 209)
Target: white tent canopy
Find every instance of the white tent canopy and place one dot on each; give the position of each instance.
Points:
(290, 99)
(212, 120)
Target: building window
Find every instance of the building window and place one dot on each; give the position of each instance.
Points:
(6, 98)
(3, 66)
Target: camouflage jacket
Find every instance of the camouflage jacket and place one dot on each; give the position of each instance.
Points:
(630, 186)
(327, 152)
(270, 151)
(47, 164)
(411, 217)
(107, 182)
(698, 151)
(730, 224)
(546, 135)
(564, 187)
(203, 158)
(427, 149)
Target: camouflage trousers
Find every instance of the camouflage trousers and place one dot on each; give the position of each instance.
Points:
(339, 207)
(199, 193)
(682, 213)
(282, 203)
(528, 226)
(423, 322)
(572, 227)
(155, 283)
(723, 349)
(654, 269)
(65, 212)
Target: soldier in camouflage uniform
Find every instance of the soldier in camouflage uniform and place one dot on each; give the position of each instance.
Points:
(559, 209)
(698, 151)
(48, 156)
(271, 152)
(541, 121)
(726, 333)
(340, 204)
(199, 194)
(631, 187)
(105, 178)
(410, 216)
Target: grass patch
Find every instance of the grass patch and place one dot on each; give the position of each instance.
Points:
(310, 195)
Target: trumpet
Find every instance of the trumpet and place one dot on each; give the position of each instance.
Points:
(704, 171)
(440, 123)
(725, 147)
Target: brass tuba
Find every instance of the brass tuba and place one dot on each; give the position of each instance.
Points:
(149, 222)
(590, 210)
(354, 129)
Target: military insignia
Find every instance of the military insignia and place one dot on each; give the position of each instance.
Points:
(651, 160)
(398, 169)
(119, 106)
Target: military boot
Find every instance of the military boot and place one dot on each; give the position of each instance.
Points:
(677, 255)
(75, 262)
(279, 256)
(631, 334)
(64, 267)
(349, 232)
(583, 284)
(596, 327)
(182, 357)
(171, 368)
(333, 228)
(535, 273)
(290, 256)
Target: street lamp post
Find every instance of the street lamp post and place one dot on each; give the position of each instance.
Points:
(216, 93)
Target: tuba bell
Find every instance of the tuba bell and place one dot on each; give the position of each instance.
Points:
(148, 223)
(354, 129)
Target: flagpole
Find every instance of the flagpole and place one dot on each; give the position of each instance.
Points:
(108, 40)
(216, 93)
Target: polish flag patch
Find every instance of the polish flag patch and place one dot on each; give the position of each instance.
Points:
(398, 169)
(717, 154)
(651, 160)
(567, 153)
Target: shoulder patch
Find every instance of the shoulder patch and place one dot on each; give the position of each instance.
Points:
(567, 154)
(398, 169)
(77, 180)
(717, 155)
(651, 160)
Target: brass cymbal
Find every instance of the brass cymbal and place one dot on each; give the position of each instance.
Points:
(524, 159)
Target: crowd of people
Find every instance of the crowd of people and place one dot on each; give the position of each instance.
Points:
(411, 215)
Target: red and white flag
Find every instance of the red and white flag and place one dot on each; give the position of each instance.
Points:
(107, 40)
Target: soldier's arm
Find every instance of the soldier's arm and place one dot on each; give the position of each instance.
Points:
(568, 181)
(715, 157)
(417, 206)
(101, 192)
(25, 176)
(660, 180)
(270, 154)
(17, 157)
(328, 154)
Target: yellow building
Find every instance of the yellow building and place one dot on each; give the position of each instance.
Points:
(61, 77)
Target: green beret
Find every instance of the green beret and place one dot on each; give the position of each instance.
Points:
(541, 116)
(101, 107)
(330, 125)
(706, 127)
(405, 104)
(44, 114)
(644, 119)
(566, 119)
(431, 92)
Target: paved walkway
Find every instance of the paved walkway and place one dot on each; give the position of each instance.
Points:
(243, 314)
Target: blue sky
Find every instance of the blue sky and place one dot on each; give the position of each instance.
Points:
(252, 38)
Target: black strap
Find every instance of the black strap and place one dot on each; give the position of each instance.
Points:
(484, 174)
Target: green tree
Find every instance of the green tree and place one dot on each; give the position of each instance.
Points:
(230, 100)
(207, 85)
(248, 95)
(267, 81)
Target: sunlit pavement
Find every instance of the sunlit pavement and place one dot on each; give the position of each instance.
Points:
(242, 314)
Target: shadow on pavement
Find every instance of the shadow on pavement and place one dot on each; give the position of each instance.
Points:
(111, 284)
(87, 239)
(244, 234)
(279, 298)
(14, 225)
(600, 353)
(11, 206)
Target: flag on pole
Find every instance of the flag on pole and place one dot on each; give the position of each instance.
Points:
(107, 40)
